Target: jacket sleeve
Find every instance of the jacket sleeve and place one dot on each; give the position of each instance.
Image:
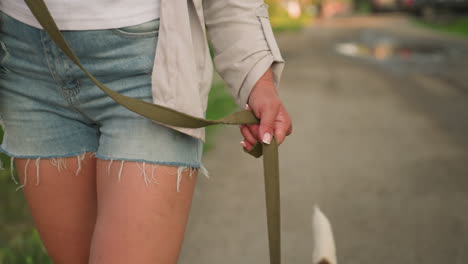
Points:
(243, 44)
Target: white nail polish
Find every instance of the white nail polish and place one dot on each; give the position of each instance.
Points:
(266, 138)
(243, 144)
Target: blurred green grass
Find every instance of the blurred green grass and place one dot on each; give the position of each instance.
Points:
(281, 21)
(19, 240)
(220, 103)
(362, 7)
(456, 26)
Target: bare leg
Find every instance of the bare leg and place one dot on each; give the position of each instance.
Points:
(63, 204)
(138, 222)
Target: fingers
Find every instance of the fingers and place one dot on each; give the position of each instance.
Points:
(280, 134)
(274, 121)
(283, 126)
(267, 123)
(247, 146)
(254, 127)
(250, 132)
(248, 135)
(281, 131)
(289, 130)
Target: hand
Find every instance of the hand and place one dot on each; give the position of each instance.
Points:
(266, 105)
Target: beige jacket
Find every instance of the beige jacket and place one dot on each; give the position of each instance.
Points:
(244, 48)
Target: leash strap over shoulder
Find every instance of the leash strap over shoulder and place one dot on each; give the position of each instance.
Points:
(171, 117)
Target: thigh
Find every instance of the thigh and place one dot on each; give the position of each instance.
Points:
(139, 222)
(146, 172)
(62, 203)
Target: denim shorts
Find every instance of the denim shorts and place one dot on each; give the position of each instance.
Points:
(50, 109)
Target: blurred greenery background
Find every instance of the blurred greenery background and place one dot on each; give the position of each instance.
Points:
(452, 25)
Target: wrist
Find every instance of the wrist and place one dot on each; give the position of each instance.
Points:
(264, 86)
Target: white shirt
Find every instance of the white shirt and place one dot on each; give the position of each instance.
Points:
(87, 14)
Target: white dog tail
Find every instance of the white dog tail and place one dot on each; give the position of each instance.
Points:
(324, 251)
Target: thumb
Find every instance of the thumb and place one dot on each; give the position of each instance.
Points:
(267, 124)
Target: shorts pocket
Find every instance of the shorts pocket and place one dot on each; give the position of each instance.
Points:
(146, 30)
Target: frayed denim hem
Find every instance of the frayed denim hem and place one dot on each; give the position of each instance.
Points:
(59, 162)
(55, 160)
(182, 167)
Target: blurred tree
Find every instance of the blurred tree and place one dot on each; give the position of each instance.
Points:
(281, 19)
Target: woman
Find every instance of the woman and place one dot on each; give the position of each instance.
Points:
(86, 205)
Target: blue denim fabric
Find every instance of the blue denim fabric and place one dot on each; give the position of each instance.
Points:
(49, 108)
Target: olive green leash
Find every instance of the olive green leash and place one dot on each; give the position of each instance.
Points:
(171, 117)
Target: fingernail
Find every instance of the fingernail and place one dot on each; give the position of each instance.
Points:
(266, 138)
(243, 144)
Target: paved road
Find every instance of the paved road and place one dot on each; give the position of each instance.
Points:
(380, 144)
